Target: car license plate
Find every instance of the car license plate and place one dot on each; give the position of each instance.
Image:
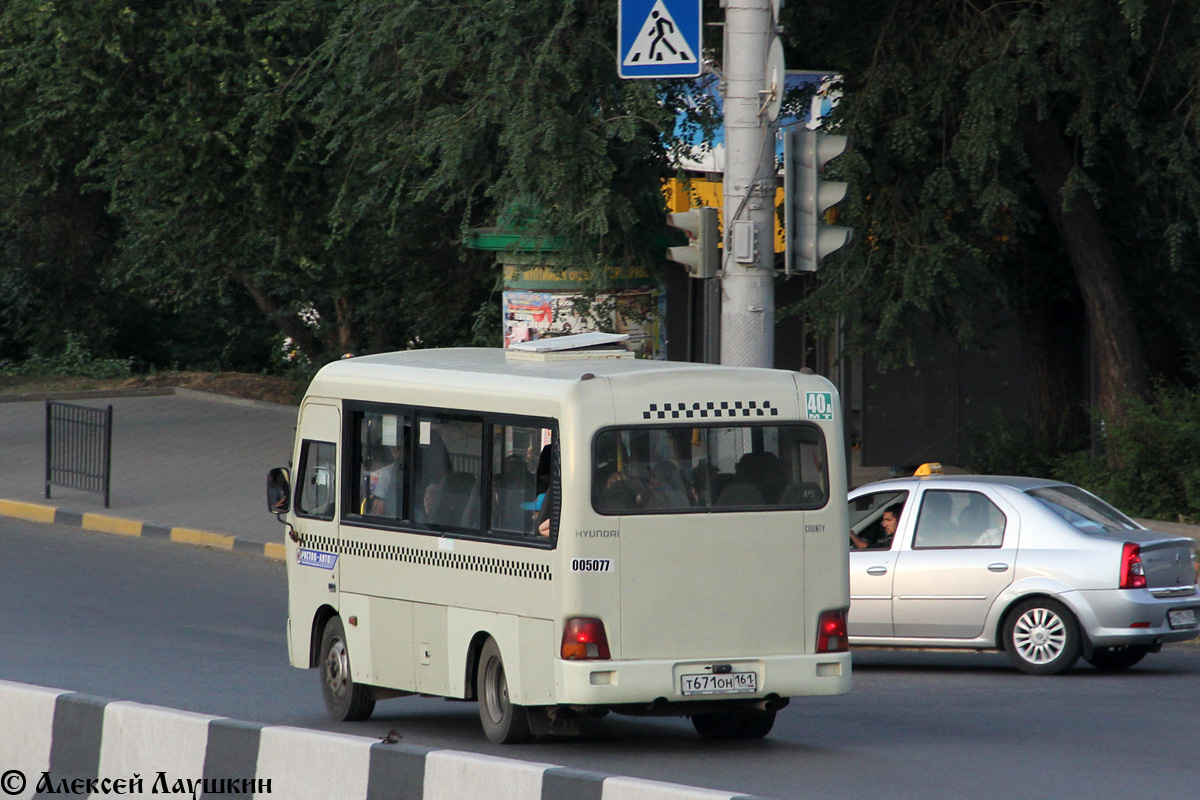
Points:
(1182, 617)
(728, 683)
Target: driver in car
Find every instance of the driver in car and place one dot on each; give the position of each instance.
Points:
(879, 536)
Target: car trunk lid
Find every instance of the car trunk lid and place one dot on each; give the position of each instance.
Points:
(1169, 564)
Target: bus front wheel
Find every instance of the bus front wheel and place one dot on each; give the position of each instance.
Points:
(503, 721)
(345, 700)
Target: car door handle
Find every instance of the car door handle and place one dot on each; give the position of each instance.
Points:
(998, 567)
(876, 570)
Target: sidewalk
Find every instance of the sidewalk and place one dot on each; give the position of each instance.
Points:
(188, 465)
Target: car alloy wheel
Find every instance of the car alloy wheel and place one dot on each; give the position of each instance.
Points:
(1042, 637)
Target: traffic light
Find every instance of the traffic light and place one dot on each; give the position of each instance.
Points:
(807, 196)
(701, 256)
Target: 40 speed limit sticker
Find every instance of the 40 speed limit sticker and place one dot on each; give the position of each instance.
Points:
(592, 565)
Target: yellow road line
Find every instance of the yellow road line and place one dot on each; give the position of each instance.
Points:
(189, 536)
(27, 511)
(103, 524)
(100, 523)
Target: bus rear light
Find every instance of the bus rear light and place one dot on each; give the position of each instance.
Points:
(1133, 574)
(584, 639)
(831, 632)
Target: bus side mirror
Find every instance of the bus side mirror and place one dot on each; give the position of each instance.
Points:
(279, 491)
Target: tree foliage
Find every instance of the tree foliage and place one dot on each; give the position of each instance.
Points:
(319, 161)
(1033, 158)
(195, 181)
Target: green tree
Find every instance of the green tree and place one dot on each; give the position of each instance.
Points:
(1032, 156)
(324, 159)
(468, 107)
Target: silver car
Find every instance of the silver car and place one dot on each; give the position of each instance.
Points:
(1042, 570)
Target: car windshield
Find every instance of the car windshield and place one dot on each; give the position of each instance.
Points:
(1085, 511)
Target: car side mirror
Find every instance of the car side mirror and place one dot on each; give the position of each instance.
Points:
(279, 491)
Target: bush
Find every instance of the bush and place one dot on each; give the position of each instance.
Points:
(1151, 461)
(1150, 466)
(1003, 447)
(75, 361)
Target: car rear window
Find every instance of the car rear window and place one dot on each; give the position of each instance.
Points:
(1083, 510)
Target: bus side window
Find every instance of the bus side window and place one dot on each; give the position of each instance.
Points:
(381, 448)
(318, 484)
(450, 471)
(516, 477)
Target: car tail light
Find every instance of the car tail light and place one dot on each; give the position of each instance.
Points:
(831, 632)
(1133, 574)
(584, 639)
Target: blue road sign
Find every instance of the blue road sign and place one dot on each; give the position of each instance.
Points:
(659, 39)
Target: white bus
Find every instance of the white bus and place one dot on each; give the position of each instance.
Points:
(567, 533)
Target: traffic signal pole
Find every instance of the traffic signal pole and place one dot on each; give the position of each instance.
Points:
(748, 289)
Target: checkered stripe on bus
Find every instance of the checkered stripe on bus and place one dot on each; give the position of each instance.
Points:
(430, 558)
(711, 410)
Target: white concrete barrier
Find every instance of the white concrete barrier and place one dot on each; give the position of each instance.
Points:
(26, 733)
(62, 744)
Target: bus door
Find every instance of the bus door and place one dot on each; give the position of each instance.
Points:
(315, 568)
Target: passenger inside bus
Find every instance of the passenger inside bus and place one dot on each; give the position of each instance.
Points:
(452, 501)
(545, 481)
(665, 489)
(616, 492)
(514, 487)
(384, 479)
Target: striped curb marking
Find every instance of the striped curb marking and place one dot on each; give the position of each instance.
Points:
(35, 512)
(69, 736)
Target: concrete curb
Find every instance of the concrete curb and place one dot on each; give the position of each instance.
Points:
(101, 523)
(70, 743)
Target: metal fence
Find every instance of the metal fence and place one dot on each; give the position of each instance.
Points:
(78, 447)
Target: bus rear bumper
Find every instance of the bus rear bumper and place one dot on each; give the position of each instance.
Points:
(614, 683)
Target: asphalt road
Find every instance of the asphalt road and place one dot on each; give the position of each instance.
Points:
(202, 630)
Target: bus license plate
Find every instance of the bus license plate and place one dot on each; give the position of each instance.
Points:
(1182, 617)
(729, 683)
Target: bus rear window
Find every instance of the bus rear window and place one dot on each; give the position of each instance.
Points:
(647, 470)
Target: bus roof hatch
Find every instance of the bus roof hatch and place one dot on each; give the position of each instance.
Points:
(577, 345)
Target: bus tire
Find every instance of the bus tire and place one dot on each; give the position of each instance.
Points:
(757, 726)
(345, 700)
(726, 725)
(503, 721)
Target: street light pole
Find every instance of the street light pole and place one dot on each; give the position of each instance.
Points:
(748, 290)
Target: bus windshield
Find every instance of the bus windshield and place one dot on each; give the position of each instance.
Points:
(681, 469)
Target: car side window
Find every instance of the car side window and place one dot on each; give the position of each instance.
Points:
(318, 484)
(875, 520)
(958, 519)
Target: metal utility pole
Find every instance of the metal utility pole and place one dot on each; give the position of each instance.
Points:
(748, 291)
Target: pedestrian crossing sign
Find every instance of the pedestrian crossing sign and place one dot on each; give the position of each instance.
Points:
(659, 39)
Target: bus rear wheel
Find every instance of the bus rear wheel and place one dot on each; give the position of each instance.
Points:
(503, 721)
(345, 700)
(724, 725)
